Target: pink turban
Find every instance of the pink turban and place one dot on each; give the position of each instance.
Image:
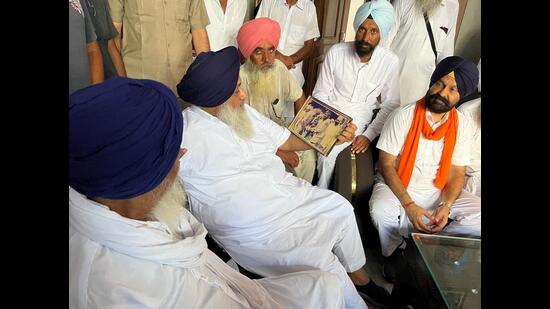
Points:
(253, 33)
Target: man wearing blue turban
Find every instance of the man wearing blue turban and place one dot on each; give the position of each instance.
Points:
(410, 39)
(269, 221)
(424, 149)
(132, 244)
(357, 78)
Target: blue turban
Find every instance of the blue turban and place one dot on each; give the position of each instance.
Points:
(212, 78)
(124, 137)
(466, 74)
(382, 12)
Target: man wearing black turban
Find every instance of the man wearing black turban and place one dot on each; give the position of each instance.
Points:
(424, 149)
(132, 244)
(269, 221)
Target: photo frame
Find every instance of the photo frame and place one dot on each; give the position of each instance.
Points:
(319, 124)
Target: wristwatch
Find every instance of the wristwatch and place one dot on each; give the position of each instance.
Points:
(448, 204)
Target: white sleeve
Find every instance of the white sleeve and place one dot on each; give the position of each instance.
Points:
(278, 134)
(395, 131)
(463, 146)
(390, 101)
(325, 82)
(313, 26)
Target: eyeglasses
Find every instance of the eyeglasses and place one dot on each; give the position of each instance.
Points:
(91, 6)
(273, 107)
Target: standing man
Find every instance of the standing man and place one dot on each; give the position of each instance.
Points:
(424, 150)
(298, 21)
(226, 17)
(106, 34)
(271, 89)
(85, 61)
(157, 36)
(354, 74)
(410, 40)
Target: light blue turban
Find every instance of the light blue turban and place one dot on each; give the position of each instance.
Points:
(382, 12)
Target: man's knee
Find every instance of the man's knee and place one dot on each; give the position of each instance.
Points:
(382, 210)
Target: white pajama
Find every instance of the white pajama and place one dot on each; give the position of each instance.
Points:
(392, 223)
(269, 221)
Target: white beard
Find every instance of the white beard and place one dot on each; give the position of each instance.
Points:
(428, 6)
(265, 85)
(237, 119)
(170, 206)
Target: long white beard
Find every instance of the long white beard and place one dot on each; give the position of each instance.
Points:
(169, 207)
(237, 119)
(264, 86)
(428, 6)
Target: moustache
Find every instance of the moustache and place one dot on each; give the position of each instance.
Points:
(434, 97)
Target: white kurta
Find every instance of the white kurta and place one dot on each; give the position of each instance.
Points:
(269, 221)
(388, 215)
(352, 87)
(288, 92)
(472, 110)
(298, 24)
(223, 27)
(409, 39)
(116, 262)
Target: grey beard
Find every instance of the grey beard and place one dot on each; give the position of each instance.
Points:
(264, 86)
(237, 119)
(428, 6)
(170, 206)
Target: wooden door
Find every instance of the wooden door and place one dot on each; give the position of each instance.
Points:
(332, 16)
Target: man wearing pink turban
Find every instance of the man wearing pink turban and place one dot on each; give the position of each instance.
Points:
(271, 88)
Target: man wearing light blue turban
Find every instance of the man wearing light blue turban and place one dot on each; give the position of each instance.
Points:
(380, 10)
(357, 78)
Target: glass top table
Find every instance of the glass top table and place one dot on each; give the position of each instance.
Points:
(454, 263)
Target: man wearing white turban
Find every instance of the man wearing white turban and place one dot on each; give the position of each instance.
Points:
(354, 75)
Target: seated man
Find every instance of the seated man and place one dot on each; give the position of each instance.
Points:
(472, 110)
(270, 85)
(132, 244)
(424, 148)
(269, 221)
(354, 75)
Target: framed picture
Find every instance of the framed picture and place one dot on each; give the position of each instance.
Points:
(319, 125)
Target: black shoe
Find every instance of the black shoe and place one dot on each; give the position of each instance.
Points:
(389, 267)
(375, 294)
(388, 271)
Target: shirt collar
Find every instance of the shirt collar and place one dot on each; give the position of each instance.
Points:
(300, 4)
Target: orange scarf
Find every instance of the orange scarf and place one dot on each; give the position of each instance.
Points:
(421, 126)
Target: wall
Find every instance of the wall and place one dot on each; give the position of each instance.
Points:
(350, 33)
(468, 42)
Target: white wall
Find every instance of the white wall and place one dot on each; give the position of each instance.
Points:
(468, 43)
(350, 33)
